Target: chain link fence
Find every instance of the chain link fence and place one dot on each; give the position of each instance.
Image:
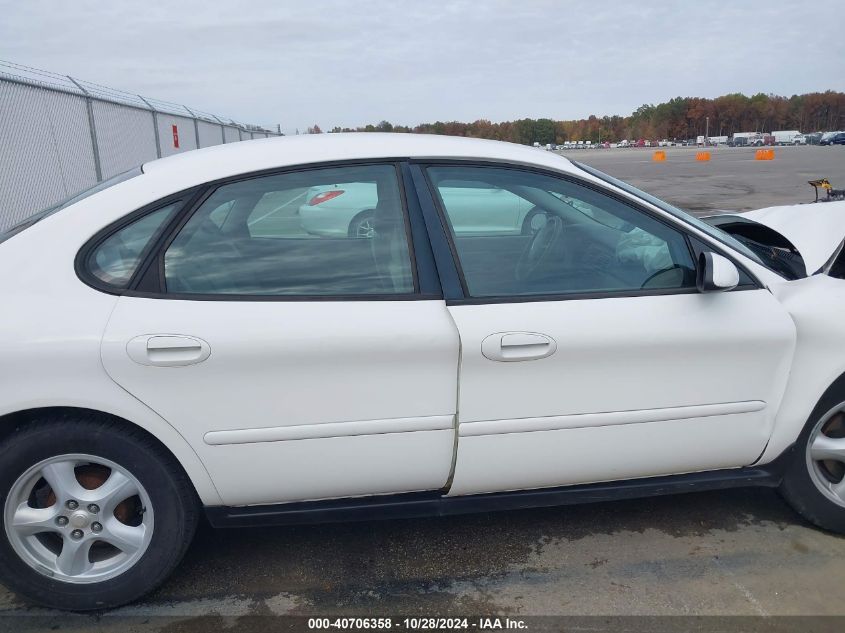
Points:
(60, 135)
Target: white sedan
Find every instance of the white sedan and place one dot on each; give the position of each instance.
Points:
(174, 344)
(796, 240)
(347, 209)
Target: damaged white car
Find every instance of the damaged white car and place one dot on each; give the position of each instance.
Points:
(173, 344)
(796, 240)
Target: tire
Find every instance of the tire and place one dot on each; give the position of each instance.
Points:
(83, 447)
(800, 486)
(357, 227)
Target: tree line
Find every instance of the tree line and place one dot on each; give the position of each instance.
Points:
(678, 118)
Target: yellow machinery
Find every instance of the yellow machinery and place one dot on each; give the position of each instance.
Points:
(824, 183)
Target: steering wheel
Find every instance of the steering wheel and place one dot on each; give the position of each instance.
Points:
(539, 248)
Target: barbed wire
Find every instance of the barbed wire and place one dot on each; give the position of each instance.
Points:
(39, 77)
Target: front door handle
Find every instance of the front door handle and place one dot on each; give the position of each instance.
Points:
(515, 346)
(167, 350)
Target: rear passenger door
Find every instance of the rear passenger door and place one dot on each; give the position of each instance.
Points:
(301, 357)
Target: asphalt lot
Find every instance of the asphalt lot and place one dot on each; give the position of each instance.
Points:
(741, 552)
(730, 180)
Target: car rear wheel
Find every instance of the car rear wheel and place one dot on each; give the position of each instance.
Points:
(814, 484)
(362, 225)
(95, 513)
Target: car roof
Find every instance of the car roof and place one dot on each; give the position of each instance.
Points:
(232, 159)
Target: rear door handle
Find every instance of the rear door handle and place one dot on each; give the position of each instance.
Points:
(515, 346)
(167, 350)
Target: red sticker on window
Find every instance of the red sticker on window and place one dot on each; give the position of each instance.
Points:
(175, 136)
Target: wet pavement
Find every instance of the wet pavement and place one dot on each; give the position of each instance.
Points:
(739, 552)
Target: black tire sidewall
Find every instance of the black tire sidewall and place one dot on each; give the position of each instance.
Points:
(797, 486)
(140, 458)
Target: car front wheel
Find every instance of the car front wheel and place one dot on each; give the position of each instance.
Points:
(814, 484)
(95, 512)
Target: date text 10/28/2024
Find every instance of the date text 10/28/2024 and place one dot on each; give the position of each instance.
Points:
(417, 624)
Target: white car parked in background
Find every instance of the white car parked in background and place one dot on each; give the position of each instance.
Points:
(347, 209)
(174, 343)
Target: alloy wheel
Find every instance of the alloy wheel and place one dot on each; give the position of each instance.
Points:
(826, 455)
(78, 518)
(364, 228)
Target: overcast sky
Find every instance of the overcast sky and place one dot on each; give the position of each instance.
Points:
(350, 63)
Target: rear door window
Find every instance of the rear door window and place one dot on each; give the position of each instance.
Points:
(318, 232)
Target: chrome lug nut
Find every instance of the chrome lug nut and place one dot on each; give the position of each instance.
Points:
(93, 508)
(61, 521)
(77, 534)
(72, 505)
(96, 527)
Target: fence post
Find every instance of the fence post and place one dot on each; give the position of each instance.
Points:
(98, 170)
(196, 126)
(155, 125)
(222, 128)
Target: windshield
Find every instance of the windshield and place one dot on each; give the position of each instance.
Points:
(712, 231)
(40, 215)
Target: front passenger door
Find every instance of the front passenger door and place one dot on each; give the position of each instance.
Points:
(587, 353)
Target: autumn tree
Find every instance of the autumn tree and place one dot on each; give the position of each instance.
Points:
(678, 118)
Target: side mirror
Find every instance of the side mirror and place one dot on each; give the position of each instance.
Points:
(715, 273)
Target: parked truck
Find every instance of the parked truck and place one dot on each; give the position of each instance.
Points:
(758, 140)
(785, 137)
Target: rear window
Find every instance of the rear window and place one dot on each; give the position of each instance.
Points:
(116, 258)
(37, 217)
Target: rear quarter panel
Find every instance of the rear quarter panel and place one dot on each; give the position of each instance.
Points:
(51, 324)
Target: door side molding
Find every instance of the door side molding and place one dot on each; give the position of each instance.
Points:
(330, 429)
(612, 418)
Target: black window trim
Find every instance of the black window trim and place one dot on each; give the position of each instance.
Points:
(673, 223)
(441, 246)
(148, 279)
